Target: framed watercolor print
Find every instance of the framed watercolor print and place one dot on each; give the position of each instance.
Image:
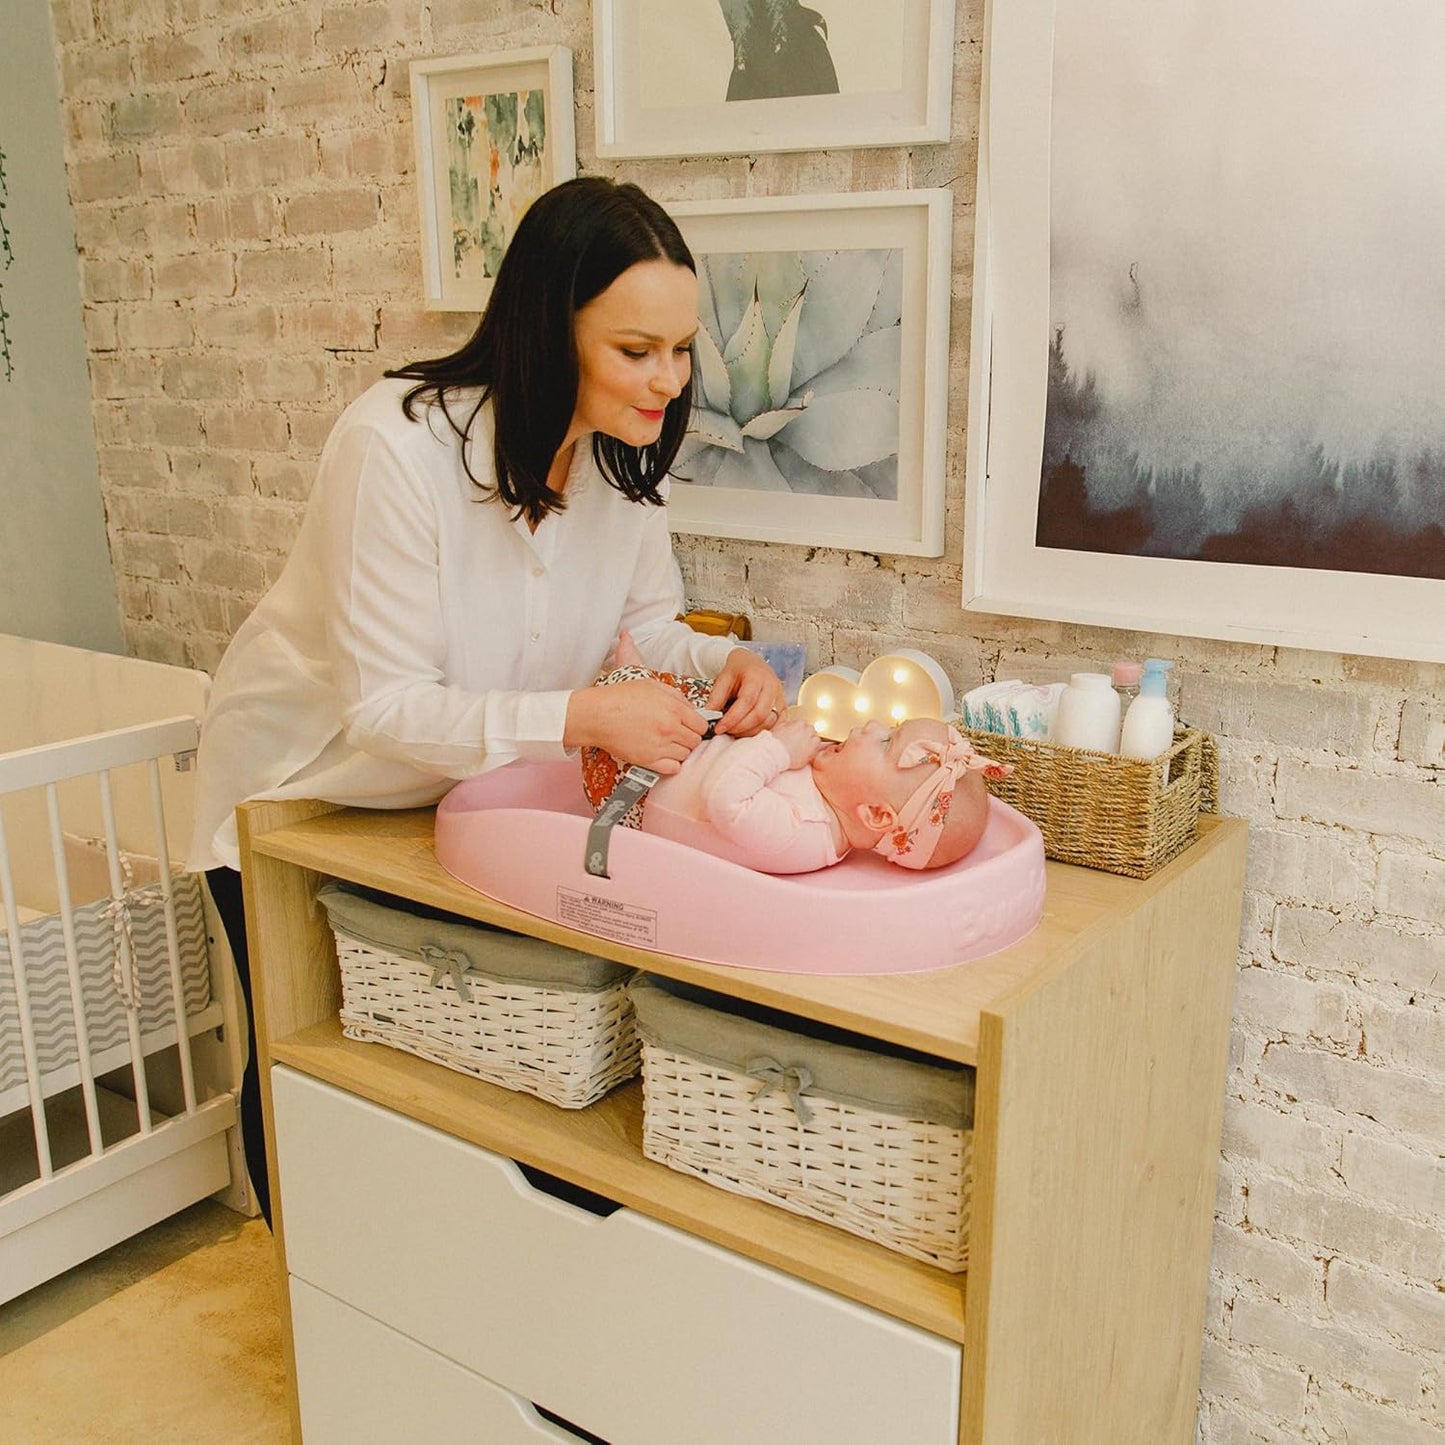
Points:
(717, 77)
(492, 133)
(821, 371)
(1204, 389)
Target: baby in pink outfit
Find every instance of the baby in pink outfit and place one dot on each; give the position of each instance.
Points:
(786, 801)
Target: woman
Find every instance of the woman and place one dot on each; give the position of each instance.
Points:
(482, 527)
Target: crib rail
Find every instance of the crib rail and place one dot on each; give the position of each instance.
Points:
(46, 768)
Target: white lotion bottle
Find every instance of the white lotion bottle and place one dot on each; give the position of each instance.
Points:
(1149, 723)
(1088, 715)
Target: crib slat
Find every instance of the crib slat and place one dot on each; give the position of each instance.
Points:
(72, 971)
(22, 1004)
(123, 946)
(173, 940)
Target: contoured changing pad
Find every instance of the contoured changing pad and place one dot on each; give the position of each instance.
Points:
(517, 835)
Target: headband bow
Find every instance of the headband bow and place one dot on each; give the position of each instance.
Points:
(913, 838)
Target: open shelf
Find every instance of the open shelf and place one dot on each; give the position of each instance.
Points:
(600, 1148)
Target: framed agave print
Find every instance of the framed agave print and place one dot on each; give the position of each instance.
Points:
(821, 366)
(492, 133)
(727, 77)
(1205, 364)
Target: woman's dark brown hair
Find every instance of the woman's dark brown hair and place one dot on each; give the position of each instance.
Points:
(573, 242)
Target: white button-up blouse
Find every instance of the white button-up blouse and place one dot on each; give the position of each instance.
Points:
(418, 634)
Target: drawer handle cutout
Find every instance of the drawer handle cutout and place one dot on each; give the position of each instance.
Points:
(565, 1424)
(569, 1193)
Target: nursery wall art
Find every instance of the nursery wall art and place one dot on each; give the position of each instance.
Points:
(820, 384)
(712, 77)
(492, 133)
(1205, 390)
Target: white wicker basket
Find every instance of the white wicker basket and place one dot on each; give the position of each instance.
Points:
(562, 1042)
(903, 1182)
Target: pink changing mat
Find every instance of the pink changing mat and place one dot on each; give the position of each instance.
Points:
(517, 835)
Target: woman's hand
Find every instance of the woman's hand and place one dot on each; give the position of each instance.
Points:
(644, 721)
(800, 740)
(748, 693)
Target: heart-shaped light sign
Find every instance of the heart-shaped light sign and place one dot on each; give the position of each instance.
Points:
(891, 688)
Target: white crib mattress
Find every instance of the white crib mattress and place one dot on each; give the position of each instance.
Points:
(42, 948)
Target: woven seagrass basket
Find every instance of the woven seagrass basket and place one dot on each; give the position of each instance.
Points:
(773, 1133)
(1100, 810)
(453, 992)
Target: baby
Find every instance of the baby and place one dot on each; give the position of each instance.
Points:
(786, 801)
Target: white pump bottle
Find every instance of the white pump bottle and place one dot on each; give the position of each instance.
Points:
(1149, 723)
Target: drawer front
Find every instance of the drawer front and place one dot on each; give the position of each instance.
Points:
(360, 1383)
(633, 1330)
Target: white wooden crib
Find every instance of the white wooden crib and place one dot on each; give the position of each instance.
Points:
(119, 1048)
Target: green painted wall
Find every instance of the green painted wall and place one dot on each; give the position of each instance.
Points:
(56, 581)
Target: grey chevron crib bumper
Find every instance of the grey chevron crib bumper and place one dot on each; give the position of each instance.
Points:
(103, 986)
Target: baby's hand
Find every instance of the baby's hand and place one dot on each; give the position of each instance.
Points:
(799, 739)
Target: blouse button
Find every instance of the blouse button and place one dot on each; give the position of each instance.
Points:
(539, 571)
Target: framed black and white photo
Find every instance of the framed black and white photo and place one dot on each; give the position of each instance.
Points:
(821, 371)
(1206, 348)
(716, 77)
(492, 133)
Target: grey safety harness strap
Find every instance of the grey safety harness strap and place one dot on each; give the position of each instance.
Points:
(635, 783)
(632, 785)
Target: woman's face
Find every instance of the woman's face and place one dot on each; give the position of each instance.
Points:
(634, 352)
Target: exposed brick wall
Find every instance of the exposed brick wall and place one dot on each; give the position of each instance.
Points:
(246, 216)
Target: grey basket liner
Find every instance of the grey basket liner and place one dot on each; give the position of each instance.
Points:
(402, 927)
(865, 1073)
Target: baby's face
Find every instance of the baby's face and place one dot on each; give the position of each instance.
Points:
(864, 767)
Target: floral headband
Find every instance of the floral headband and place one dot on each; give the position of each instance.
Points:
(913, 839)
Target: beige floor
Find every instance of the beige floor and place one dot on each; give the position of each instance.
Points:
(172, 1336)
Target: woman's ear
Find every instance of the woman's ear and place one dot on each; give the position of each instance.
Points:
(877, 816)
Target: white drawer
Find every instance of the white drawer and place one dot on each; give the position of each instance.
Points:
(633, 1330)
(360, 1383)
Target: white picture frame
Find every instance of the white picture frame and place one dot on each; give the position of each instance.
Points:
(664, 69)
(794, 446)
(523, 91)
(1004, 571)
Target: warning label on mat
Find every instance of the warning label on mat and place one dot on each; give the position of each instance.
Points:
(607, 918)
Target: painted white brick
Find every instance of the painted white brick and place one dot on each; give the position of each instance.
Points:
(1286, 1141)
(1330, 1350)
(1236, 1379)
(1230, 1422)
(1422, 732)
(1356, 1087)
(1319, 866)
(1411, 885)
(1391, 804)
(1404, 1035)
(1309, 717)
(1375, 951)
(1372, 1300)
(1290, 1005)
(1271, 1267)
(1410, 1181)
(1349, 1417)
(1339, 1223)
(1246, 779)
(847, 595)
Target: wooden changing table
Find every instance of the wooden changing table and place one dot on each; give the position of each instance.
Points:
(431, 1289)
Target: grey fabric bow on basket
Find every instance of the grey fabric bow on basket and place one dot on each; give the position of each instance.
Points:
(794, 1080)
(447, 963)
